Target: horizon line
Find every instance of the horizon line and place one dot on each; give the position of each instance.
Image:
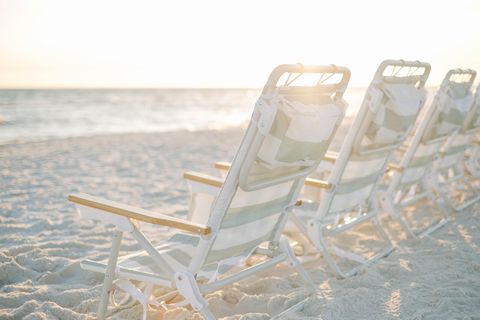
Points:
(153, 88)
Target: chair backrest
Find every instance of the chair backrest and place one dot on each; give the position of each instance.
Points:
(440, 121)
(281, 146)
(472, 120)
(451, 104)
(386, 116)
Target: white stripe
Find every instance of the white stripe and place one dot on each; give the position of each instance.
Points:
(230, 237)
(360, 169)
(427, 149)
(314, 128)
(413, 174)
(349, 200)
(245, 199)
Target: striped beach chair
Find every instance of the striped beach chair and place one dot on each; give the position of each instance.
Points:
(472, 129)
(249, 210)
(412, 180)
(450, 176)
(347, 192)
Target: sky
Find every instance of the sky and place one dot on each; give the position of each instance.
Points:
(178, 43)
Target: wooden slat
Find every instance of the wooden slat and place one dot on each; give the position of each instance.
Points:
(331, 156)
(318, 183)
(203, 178)
(138, 214)
(222, 165)
(396, 167)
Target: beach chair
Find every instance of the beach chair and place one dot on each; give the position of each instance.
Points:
(449, 177)
(344, 197)
(472, 129)
(247, 216)
(412, 180)
(348, 192)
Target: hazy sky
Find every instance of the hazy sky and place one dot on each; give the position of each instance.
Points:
(111, 43)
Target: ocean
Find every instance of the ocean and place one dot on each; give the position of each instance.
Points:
(34, 115)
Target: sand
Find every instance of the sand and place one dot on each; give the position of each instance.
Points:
(42, 239)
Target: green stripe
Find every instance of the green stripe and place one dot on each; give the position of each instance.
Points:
(259, 172)
(453, 116)
(280, 125)
(456, 149)
(396, 122)
(420, 161)
(458, 90)
(235, 251)
(184, 239)
(368, 156)
(351, 185)
(412, 181)
(240, 216)
(181, 256)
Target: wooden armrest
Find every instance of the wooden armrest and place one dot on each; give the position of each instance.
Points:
(331, 156)
(395, 167)
(222, 165)
(203, 178)
(138, 214)
(318, 183)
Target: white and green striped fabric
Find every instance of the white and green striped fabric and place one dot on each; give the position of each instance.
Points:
(474, 121)
(301, 130)
(177, 254)
(358, 180)
(250, 220)
(453, 104)
(302, 127)
(419, 164)
(392, 109)
(454, 155)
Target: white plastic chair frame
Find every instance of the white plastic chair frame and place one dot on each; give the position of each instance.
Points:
(390, 201)
(124, 219)
(450, 170)
(472, 161)
(320, 230)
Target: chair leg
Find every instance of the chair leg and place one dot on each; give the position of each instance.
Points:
(109, 274)
(376, 222)
(387, 205)
(187, 286)
(322, 246)
(285, 247)
(329, 258)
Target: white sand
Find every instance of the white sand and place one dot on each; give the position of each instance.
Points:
(42, 239)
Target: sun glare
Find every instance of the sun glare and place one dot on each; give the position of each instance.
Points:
(54, 43)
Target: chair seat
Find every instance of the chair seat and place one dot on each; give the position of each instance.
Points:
(177, 253)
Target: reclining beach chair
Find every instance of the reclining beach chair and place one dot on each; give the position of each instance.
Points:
(472, 129)
(449, 177)
(278, 151)
(348, 192)
(412, 179)
(345, 197)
